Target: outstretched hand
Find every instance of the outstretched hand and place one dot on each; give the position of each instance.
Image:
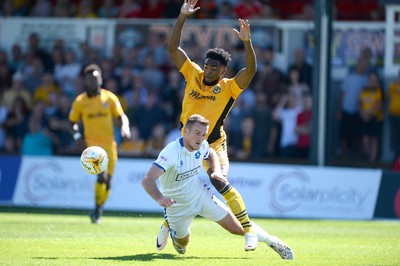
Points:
(244, 33)
(188, 9)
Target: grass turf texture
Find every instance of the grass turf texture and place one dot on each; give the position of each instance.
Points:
(70, 239)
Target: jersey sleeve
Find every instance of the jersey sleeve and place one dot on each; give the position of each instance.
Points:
(165, 159)
(235, 89)
(189, 68)
(74, 114)
(116, 107)
(207, 150)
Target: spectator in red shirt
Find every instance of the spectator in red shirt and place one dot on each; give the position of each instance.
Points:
(248, 8)
(303, 127)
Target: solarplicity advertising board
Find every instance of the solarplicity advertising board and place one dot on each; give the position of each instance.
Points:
(281, 191)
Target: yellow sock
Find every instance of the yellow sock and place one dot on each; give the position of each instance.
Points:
(106, 193)
(99, 192)
(165, 223)
(235, 202)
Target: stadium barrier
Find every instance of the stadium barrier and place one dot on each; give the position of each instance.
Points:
(277, 191)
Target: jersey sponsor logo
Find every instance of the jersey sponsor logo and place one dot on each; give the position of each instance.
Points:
(197, 96)
(216, 89)
(188, 174)
(97, 115)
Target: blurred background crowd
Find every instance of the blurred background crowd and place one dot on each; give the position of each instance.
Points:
(210, 9)
(272, 119)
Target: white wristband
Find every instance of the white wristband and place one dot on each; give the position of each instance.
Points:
(76, 136)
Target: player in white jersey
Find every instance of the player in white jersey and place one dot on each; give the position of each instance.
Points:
(184, 196)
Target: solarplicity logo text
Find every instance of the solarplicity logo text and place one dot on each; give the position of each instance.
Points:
(44, 180)
(294, 189)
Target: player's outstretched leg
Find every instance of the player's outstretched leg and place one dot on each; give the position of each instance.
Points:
(162, 237)
(235, 202)
(273, 242)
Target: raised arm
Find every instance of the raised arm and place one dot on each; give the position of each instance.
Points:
(178, 55)
(244, 76)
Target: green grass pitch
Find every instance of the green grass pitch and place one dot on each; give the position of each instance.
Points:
(70, 239)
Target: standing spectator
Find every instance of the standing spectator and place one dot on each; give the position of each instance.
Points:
(37, 51)
(394, 116)
(67, 73)
(297, 87)
(286, 113)
(269, 78)
(304, 127)
(262, 116)
(348, 108)
(371, 113)
(304, 68)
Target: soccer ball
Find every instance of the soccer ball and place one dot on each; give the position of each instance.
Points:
(94, 160)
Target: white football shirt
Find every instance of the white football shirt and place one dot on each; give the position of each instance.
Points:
(181, 180)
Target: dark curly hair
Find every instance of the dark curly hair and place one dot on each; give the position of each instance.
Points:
(220, 55)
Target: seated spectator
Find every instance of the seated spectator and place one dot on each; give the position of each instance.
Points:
(5, 77)
(302, 66)
(67, 73)
(129, 9)
(60, 127)
(16, 125)
(245, 148)
(108, 9)
(304, 127)
(225, 11)
(86, 9)
(37, 141)
(156, 141)
(46, 89)
(42, 8)
(152, 9)
(371, 113)
(17, 90)
(246, 9)
(64, 9)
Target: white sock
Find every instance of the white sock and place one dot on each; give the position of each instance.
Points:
(262, 235)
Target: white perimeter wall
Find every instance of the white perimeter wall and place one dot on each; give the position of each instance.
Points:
(281, 191)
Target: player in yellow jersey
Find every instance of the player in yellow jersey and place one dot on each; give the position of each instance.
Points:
(211, 95)
(97, 109)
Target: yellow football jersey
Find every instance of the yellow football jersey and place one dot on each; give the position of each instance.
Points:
(97, 114)
(212, 102)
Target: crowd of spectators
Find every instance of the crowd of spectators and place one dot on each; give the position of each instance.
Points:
(271, 119)
(210, 9)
